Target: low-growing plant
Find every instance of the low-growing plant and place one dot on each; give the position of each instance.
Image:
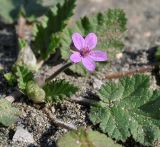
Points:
(126, 108)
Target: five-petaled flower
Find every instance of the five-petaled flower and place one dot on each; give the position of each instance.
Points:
(84, 51)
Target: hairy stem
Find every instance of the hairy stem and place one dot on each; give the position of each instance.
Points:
(64, 67)
(131, 72)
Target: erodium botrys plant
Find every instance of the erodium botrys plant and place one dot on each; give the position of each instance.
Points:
(126, 108)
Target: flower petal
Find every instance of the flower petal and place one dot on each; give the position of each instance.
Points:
(98, 55)
(78, 40)
(89, 64)
(75, 57)
(91, 40)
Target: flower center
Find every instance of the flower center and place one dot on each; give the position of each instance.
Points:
(84, 52)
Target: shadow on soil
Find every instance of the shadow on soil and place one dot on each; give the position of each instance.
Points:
(44, 139)
(8, 45)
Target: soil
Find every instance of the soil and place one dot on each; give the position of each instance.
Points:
(141, 38)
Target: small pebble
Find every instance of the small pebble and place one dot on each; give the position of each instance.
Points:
(22, 135)
(97, 83)
(119, 55)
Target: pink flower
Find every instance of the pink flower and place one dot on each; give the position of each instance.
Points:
(85, 52)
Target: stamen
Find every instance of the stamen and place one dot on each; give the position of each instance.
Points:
(84, 52)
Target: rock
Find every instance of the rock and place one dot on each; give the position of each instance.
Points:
(119, 56)
(97, 83)
(22, 135)
(53, 109)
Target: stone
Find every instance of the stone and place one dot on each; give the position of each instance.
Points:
(97, 83)
(22, 135)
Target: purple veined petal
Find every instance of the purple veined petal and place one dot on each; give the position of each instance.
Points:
(98, 55)
(75, 57)
(78, 41)
(89, 64)
(91, 40)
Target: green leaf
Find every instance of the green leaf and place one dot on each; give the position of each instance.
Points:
(24, 75)
(8, 114)
(47, 38)
(85, 137)
(108, 26)
(11, 79)
(22, 43)
(31, 9)
(59, 90)
(128, 108)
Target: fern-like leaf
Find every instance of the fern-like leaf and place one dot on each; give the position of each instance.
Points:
(24, 75)
(59, 90)
(47, 38)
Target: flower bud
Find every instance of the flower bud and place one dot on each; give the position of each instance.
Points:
(34, 92)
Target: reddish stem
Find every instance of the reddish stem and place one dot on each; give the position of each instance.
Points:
(131, 72)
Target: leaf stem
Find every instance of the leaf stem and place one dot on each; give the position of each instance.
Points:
(64, 67)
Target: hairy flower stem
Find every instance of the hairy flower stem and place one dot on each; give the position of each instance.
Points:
(131, 72)
(64, 67)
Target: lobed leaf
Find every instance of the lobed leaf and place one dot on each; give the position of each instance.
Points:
(47, 38)
(8, 114)
(59, 90)
(128, 108)
(24, 75)
(108, 26)
(86, 137)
